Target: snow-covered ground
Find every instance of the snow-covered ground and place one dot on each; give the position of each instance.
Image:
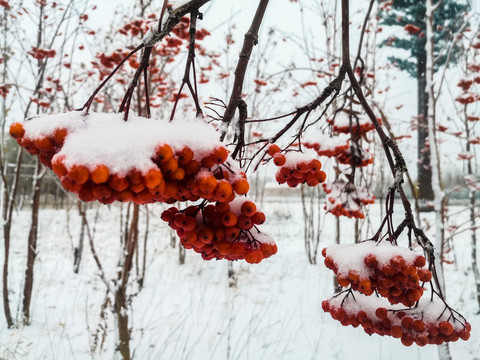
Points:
(189, 311)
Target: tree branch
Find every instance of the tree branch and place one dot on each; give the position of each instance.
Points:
(250, 40)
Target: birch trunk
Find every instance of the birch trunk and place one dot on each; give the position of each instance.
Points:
(438, 194)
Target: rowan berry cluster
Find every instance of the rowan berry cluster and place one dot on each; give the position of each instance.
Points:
(393, 272)
(355, 124)
(169, 174)
(330, 146)
(296, 168)
(358, 157)
(428, 323)
(223, 231)
(346, 199)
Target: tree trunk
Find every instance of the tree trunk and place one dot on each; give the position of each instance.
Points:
(438, 194)
(78, 250)
(473, 225)
(32, 244)
(121, 305)
(424, 170)
(9, 196)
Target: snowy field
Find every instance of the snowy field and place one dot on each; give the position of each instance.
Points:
(189, 311)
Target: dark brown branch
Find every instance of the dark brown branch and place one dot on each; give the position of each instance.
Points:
(250, 40)
(86, 106)
(189, 66)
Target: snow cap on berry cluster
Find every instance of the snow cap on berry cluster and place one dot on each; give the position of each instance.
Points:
(351, 256)
(103, 138)
(326, 145)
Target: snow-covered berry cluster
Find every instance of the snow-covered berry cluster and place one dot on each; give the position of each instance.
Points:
(325, 145)
(346, 199)
(356, 124)
(396, 273)
(296, 168)
(101, 157)
(427, 323)
(385, 294)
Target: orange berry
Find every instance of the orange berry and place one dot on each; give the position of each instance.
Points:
(445, 328)
(258, 218)
(241, 186)
(353, 276)
(219, 234)
(339, 314)
(238, 249)
(184, 156)
(387, 282)
(424, 275)
(279, 159)
(222, 207)
(171, 190)
(207, 182)
(419, 261)
(178, 174)
(163, 153)
(16, 130)
(381, 313)
(208, 162)
(44, 144)
(69, 185)
(301, 167)
(142, 197)
(30, 146)
(244, 222)
(100, 174)
(396, 331)
(153, 178)
(205, 235)
(418, 326)
(101, 191)
(137, 187)
(397, 262)
(124, 196)
(192, 167)
(59, 136)
(388, 270)
(169, 165)
(314, 165)
(85, 194)
(409, 270)
(134, 176)
(190, 236)
(273, 149)
(343, 280)
(223, 190)
(320, 176)
(407, 340)
(118, 183)
(232, 232)
(253, 256)
(223, 247)
(421, 340)
(413, 295)
(58, 166)
(229, 218)
(79, 174)
(267, 250)
(220, 155)
(248, 208)
(365, 284)
(370, 261)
